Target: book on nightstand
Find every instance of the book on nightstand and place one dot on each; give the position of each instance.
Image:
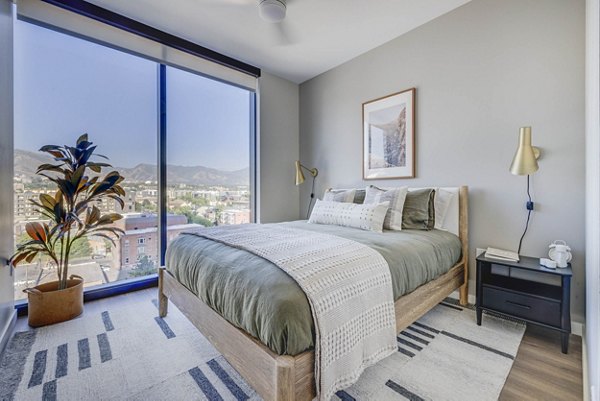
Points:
(501, 254)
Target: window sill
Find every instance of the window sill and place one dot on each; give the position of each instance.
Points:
(104, 290)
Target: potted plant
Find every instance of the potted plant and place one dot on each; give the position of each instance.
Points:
(73, 215)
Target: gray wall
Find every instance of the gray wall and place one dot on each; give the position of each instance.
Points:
(481, 72)
(278, 149)
(6, 166)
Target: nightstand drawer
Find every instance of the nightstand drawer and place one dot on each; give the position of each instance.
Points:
(522, 306)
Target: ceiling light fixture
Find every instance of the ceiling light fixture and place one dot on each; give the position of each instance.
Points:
(272, 10)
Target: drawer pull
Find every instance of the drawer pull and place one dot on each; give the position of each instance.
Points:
(517, 304)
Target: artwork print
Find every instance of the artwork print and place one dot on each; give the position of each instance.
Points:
(388, 136)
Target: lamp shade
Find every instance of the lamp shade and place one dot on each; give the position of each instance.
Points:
(525, 161)
(299, 174)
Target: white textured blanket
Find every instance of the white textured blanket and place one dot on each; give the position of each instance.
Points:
(348, 286)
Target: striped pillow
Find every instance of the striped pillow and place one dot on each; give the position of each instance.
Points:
(339, 195)
(395, 197)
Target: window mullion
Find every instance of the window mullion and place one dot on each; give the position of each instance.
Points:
(162, 161)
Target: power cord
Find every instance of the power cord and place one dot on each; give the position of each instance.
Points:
(529, 209)
(312, 197)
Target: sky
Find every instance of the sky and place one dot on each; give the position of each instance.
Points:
(65, 86)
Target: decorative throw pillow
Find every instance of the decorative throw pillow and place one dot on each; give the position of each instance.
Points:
(359, 196)
(365, 217)
(396, 197)
(419, 210)
(339, 195)
(442, 201)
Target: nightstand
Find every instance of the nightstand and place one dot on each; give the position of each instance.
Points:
(527, 291)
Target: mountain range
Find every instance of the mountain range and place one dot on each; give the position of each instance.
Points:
(26, 163)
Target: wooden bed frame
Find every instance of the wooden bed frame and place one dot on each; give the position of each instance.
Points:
(291, 378)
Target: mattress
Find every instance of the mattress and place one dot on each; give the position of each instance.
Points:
(259, 298)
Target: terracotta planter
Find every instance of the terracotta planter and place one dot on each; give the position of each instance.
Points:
(48, 305)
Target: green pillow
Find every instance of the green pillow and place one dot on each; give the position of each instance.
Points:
(359, 196)
(419, 210)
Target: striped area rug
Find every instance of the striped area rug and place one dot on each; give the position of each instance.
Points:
(120, 350)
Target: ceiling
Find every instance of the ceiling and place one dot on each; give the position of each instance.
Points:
(316, 35)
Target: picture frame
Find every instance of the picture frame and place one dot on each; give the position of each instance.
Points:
(389, 136)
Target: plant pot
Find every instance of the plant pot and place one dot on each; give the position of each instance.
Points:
(49, 305)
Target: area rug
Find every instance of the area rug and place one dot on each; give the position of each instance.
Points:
(121, 350)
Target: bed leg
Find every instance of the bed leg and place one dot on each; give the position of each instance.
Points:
(464, 289)
(163, 301)
(285, 386)
(464, 294)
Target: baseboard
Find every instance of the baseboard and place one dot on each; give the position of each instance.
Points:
(471, 299)
(576, 327)
(8, 331)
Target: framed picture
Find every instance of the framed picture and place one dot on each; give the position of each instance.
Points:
(389, 136)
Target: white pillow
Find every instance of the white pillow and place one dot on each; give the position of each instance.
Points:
(365, 217)
(442, 201)
(339, 195)
(396, 198)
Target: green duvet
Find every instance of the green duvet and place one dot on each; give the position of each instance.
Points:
(258, 297)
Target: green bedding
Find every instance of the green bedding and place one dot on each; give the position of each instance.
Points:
(258, 297)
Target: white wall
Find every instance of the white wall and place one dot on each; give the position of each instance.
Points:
(6, 167)
(592, 334)
(278, 149)
(481, 72)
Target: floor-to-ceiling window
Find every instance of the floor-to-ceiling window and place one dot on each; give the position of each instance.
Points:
(66, 86)
(208, 150)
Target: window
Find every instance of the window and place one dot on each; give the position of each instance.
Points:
(66, 86)
(209, 141)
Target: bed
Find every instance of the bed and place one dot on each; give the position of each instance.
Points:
(274, 355)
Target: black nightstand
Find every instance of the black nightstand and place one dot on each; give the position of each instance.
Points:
(527, 291)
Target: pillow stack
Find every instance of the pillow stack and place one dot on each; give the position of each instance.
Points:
(419, 209)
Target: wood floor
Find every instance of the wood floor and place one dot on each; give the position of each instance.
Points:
(542, 372)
